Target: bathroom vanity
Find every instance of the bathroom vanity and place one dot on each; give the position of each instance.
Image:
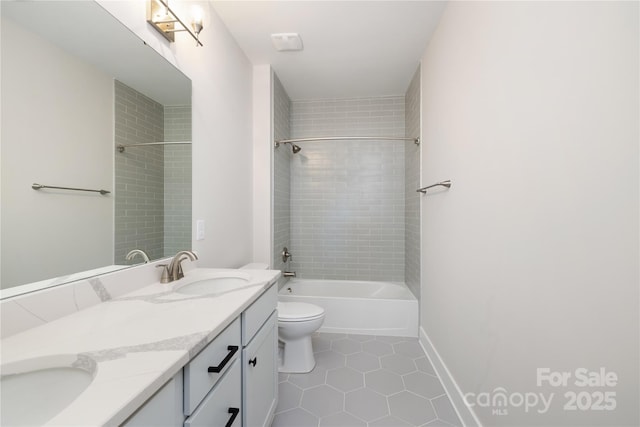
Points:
(198, 351)
(232, 382)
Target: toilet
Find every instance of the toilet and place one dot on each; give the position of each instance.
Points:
(296, 322)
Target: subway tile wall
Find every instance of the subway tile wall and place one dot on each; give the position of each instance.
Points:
(177, 180)
(139, 175)
(281, 181)
(412, 182)
(347, 197)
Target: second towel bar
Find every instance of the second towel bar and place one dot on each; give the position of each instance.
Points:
(40, 186)
(446, 183)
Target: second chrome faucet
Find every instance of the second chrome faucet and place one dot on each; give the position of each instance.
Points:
(173, 271)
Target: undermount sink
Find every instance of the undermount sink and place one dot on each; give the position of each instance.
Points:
(215, 285)
(36, 390)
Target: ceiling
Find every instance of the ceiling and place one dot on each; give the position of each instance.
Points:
(351, 48)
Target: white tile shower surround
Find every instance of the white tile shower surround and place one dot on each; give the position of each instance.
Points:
(281, 176)
(364, 380)
(177, 179)
(347, 197)
(412, 181)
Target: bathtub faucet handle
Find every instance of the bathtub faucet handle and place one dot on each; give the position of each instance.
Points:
(286, 255)
(289, 274)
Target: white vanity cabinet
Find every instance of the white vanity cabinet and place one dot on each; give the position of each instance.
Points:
(232, 382)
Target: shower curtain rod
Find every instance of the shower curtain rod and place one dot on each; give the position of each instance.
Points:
(340, 138)
(121, 147)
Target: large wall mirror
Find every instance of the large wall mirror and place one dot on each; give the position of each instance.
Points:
(76, 84)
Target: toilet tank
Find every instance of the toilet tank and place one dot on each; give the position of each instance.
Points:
(255, 266)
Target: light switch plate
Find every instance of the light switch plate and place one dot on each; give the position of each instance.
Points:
(200, 229)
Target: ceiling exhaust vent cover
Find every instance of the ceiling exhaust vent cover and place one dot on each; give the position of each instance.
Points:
(286, 41)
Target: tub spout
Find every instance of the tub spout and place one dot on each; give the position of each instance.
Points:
(289, 274)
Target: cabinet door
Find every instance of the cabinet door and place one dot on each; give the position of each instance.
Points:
(260, 376)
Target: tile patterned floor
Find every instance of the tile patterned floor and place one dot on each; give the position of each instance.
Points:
(364, 380)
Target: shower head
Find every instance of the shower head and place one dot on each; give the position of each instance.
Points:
(294, 148)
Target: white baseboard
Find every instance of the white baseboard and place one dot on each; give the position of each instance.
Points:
(465, 413)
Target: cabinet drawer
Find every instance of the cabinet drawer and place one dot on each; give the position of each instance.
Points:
(219, 355)
(223, 404)
(255, 316)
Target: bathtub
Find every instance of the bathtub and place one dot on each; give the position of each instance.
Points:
(358, 307)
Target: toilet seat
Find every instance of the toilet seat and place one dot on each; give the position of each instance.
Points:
(298, 312)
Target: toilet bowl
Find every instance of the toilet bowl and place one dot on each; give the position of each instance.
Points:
(296, 322)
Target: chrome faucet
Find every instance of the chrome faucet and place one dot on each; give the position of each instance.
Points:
(140, 252)
(286, 255)
(174, 269)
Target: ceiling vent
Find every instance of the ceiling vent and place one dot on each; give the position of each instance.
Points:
(284, 42)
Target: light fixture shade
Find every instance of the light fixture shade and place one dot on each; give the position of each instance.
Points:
(196, 21)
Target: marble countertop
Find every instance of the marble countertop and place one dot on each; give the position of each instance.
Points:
(135, 343)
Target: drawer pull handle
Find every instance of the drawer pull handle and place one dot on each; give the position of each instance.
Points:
(234, 413)
(232, 350)
(253, 361)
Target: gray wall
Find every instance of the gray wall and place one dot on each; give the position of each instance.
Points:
(412, 182)
(139, 175)
(177, 180)
(57, 130)
(347, 198)
(531, 260)
(281, 180)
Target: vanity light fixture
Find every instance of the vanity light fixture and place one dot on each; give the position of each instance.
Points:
(196, 22)
(167, 23)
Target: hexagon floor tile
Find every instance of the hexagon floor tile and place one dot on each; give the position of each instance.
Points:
(358, 381)
(366, 404)
(345, 379)
(322, 401)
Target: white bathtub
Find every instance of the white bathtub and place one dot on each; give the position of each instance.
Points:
(358, 307)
